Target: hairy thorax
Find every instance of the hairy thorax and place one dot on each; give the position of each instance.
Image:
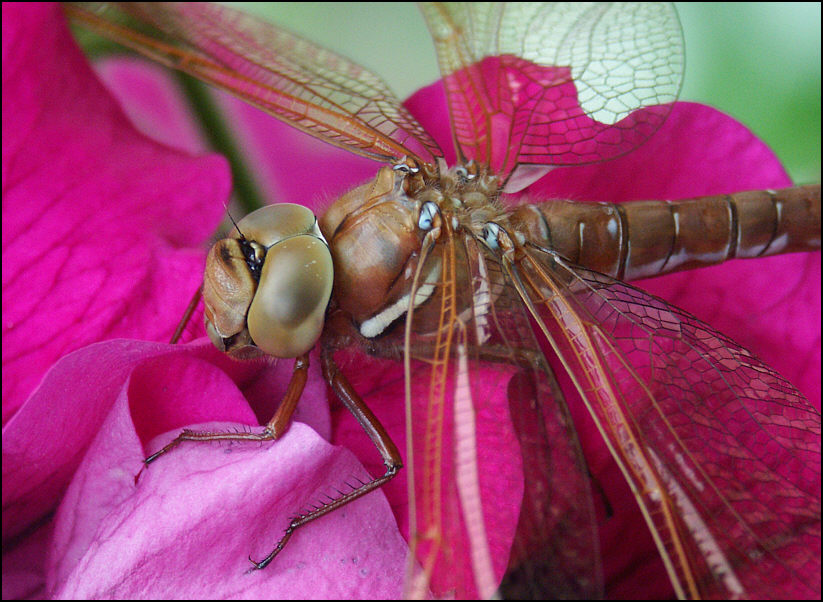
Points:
(376, 233)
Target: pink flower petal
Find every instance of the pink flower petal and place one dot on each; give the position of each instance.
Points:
(536, 113)
(290, 166)
(697, 151)
(380, 383)
(190, 521)
(770, 305)
(128, 278)
(113, 538)
(24, 565)
(150, 96)
(101, 227)
(187, 525)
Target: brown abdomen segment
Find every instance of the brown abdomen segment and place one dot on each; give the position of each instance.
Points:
(648, 238)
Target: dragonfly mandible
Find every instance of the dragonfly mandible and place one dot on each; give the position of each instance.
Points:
(432, 269)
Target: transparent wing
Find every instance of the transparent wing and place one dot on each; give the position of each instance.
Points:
(309, 87)
(498, 487)
(555, 83)
(722, 453)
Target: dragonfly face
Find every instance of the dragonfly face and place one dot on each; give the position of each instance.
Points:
(528, 85)
(268, 287)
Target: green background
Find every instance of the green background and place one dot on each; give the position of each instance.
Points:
(759, 62)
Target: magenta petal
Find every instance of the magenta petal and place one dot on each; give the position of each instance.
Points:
(697, 151)
(24, 565)
(290, 166)
(44, 442)
(188, 527)
(770, 305)
(194, 516)
(189, 524)
(380, 383)
(101, 227)
(535, 116)
(151, 97)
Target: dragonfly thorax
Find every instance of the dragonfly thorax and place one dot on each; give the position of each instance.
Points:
(466, 195)
(377, 231)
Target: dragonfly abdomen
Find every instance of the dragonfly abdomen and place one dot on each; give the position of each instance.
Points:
(641, 239)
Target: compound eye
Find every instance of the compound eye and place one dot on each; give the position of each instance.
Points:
(428, 212)
(267, 288)
(491, 231)
(286, 315)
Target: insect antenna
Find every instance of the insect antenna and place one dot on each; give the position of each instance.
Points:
(234, 223)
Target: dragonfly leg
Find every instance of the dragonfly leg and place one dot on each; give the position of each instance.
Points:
(275, 429)
(187, 315)
(376, 432)
(281, 420)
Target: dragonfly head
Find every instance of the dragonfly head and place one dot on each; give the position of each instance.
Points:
(267, 287)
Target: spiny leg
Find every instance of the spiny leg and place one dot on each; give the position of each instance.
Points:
(181, 326)
(275, 428)
(376, 432)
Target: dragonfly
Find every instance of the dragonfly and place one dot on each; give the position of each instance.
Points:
(429, 269)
